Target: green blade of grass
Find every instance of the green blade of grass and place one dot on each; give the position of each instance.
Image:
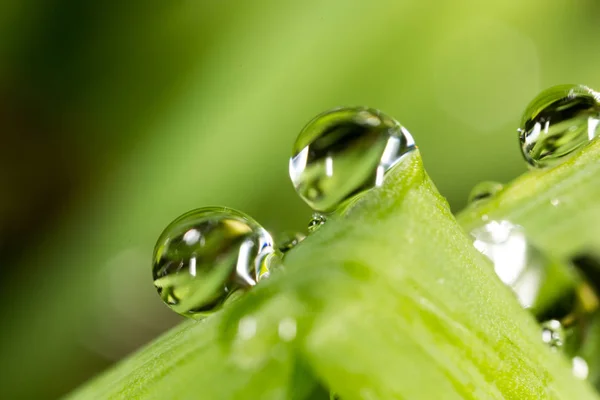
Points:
(389, 302)
(559, 207)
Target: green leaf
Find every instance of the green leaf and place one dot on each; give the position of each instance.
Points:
(390, 301)
(558, 207)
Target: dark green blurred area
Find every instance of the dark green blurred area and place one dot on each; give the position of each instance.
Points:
(116, 117)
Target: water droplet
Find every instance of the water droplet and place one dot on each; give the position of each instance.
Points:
(557, 122)
(288, 241)
(555, 202)
(553, 334)
(484, 190)
(205, 255)
(316, 222)
(580, 368)
(344, 152)
(517, 263)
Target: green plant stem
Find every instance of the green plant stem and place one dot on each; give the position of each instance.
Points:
(390, 301)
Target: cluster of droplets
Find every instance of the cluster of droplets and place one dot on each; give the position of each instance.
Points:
(211, 255)
(557, 123)
(564, 315)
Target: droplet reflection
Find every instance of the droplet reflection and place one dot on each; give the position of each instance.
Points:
(205, 255)
(344, 152)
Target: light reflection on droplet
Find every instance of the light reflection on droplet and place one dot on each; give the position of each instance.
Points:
(516, 262)
(191, 237)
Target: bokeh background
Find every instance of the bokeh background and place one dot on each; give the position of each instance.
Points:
(117, 116)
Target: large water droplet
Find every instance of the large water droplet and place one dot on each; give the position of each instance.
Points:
(205, 255)
(553, 333)
(343, 152)
(484, 190)
(316, 221)
(557, 122)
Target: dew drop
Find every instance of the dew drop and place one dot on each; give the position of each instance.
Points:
(206, 255)
(316, 221)
(484, 190)
(553, 334)
(289, 240)
(344, 152)
(580, 368)
(557, 122)
(518, 264)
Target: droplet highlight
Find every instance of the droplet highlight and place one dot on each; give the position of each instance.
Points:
(344, 152)
(553, 334)
(580, 368)
(557, 122)
(517, 263)
(484, 190)
(206, 255)
(316, 221)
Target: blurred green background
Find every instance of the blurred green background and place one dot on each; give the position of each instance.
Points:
(117, 116)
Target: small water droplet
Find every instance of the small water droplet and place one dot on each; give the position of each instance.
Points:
(316, 221)
(553, 334)
(288, 241)
(344, 152)
(557, 122)
(580, 368)
(484, 190)
(555, 202)
(205, 255)
(287, 329)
